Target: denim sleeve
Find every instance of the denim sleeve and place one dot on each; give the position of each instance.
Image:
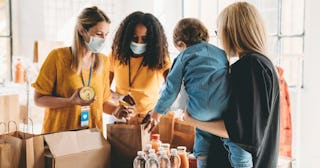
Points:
(172, 87)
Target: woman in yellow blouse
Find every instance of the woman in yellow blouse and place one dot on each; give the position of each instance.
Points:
(139, 59)
(68, 70)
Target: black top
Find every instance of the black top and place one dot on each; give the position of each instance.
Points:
(252, 118)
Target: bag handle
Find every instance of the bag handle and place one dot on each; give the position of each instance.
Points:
(26, 127)
(4, 126)
(11, 121)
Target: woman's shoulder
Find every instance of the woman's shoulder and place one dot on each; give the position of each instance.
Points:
(61, 53)
(258, 61)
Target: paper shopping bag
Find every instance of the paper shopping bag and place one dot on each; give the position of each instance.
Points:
(183, 134)
(11, 146)
(166, 127)
(26, 149)
(126, 140)
(5, 155)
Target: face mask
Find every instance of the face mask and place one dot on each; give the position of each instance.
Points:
(137, 48)
(96, 44)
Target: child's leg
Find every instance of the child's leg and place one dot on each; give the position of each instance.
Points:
(201, 161)
(239, 158)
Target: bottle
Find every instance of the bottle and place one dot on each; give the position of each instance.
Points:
(164, 160)
(146, 150)
(140, 160)
(152, 161)
(192, 161)
(183, 156)
(155, 142)
(166, 147)
(19, 72)
(175, 161)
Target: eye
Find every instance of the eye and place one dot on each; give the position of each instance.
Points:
(144, 39)
(135, 39)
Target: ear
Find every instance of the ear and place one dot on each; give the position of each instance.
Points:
(181, 44)
(80, 29)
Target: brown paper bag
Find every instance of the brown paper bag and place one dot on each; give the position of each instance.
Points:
(183, 134)
(126, 140)
(12, 146)
(166, 127)
(26, 149)
(5, 155)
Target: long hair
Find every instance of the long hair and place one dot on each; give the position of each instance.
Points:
(190, 31)
(157, 46)
(242, 29)
(88, 18)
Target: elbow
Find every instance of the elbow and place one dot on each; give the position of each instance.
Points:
(37, 99)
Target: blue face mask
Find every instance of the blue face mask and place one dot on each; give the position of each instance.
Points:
(137, 48)
(96, 44)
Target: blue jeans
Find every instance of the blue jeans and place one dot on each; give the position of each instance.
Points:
(202, 162)
(238, 157)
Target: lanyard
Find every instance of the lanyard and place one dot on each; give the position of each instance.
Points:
(90, 75)
(135, 76)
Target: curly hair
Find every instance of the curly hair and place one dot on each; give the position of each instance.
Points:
(157, 46)
(190, 31)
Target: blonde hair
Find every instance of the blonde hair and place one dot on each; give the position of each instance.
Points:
(242, 29)
(88, 18)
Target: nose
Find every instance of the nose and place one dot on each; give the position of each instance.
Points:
(140, 40)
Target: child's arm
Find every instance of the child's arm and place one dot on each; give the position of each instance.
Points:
(172, 87)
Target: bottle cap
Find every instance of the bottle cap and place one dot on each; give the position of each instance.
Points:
(155, 136)
(173, 151)
(152, 151)
(140, 153)
(152, 155)
(182, 148)
(162, 152)
(165, 145)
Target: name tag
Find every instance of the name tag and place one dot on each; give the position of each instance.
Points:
(84, 117)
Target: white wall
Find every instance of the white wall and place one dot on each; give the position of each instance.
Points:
(31, 26)
(29, 20)
(310, 111)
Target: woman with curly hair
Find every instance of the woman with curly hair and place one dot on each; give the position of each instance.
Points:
(139, 61)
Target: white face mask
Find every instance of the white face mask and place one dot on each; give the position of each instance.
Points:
(137, 48)
(96, 44)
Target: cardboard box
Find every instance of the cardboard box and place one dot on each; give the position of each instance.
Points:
(78, 149)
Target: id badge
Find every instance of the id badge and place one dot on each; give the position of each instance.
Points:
(84, 116)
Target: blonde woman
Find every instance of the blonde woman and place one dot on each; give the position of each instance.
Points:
(73, 83)
(252, 118)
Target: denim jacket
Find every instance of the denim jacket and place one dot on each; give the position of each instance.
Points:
(203, 69)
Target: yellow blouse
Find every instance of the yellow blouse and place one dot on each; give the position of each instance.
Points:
(56, 78)
(145, 88)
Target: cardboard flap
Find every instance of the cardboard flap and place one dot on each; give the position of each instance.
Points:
(70, 142)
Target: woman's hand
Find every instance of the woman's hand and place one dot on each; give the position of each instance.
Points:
(124, 112)
(76, 100)
(153, 121)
